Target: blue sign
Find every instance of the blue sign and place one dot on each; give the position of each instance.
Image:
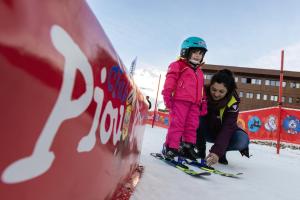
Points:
(291, 125)
(254, 124)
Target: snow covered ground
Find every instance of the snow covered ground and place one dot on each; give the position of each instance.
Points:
(266, 175)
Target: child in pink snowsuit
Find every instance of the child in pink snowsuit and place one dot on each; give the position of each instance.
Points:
(184, 96)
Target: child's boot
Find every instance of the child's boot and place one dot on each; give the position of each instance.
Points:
(169, 153)
(188, 151)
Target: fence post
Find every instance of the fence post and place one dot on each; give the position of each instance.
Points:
(280, 103)
(155, 106)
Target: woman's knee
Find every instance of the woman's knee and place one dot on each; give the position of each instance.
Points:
(243, 141)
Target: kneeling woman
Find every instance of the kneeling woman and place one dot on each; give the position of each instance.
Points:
(219, 126)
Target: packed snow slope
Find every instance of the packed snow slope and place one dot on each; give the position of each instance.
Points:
(266, 175)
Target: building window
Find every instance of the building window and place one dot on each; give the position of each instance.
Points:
(258, 81)
(298, 100)
(255, 81)
(207, 76)
(243, 80)
(292, 85)
(297, 85)
(252, 81)
(290, 99)
(241, 94)
(246, 80)
(282, 99)
(236, 79)
(258, 96)
(283, 83)
(274, 98)
(273, 83)
(249, 95)
(265, 97)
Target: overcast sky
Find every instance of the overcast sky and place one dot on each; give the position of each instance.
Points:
(238, 33)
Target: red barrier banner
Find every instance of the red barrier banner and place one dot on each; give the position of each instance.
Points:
(261, 124)
(290, 125)
(72, 120)
(161, 119)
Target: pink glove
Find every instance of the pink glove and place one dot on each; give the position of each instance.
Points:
(203, 108)
(168, 101)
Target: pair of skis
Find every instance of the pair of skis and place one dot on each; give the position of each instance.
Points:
(183, 166)
(203, 166)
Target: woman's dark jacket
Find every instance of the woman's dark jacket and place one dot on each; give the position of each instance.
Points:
(222, 121)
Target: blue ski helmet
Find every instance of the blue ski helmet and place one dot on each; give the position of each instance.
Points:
(192, 42)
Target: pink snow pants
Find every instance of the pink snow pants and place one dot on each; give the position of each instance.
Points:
(184, 121)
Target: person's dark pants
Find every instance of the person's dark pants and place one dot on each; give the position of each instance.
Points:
(238, 142)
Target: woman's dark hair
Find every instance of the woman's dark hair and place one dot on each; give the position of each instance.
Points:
(226, 77)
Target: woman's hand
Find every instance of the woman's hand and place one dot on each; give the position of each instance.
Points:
(211, 159)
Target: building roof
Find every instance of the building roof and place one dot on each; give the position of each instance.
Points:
(252, 71)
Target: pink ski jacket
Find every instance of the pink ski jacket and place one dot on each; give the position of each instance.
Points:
(184, 83)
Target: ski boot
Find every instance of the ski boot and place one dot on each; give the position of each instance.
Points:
(201, 153)
(188, 151)
(170, 153)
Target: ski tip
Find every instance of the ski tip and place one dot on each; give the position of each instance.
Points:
(237, 175)
(156, 155)
(205, 173)
(199, 174)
